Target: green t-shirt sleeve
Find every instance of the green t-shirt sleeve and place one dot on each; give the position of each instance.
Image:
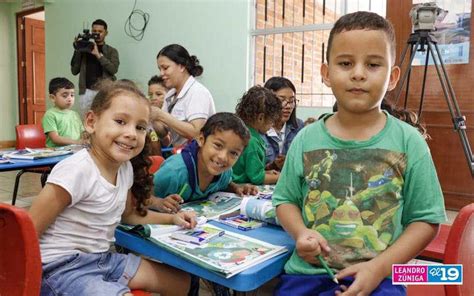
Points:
(289, 188)
(423, 198)
(254, 166)
(49, 123)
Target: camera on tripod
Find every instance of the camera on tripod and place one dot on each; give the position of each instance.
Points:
(83, 43)
(424, 15)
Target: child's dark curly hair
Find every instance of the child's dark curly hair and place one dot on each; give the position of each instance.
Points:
(405, 115)
(258, 100)
(226, 121)
(142, 179)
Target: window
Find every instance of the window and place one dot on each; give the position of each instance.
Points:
(290, 37)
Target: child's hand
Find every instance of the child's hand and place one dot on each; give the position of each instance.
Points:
(279, 161)
(309, 244)
(169, 204)
(186, 219)
(246, 189)
(156, 113)
(367, 278)
(272, 172)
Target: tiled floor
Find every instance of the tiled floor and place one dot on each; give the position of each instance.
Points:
(30, 186)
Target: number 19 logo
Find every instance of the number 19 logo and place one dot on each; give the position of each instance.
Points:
(445, 274)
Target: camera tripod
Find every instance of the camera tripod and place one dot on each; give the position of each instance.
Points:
(422, 40)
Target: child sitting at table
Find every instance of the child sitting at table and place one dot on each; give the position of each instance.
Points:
(158, 133)
(359, 188)
(61, 124)
(259, 108)
(204, 166)
(89, 193)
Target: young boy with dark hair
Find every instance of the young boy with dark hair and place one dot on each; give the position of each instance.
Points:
(62, 125)
(204, 166)
(359, 186)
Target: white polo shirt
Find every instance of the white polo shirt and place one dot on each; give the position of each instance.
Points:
(194, 101)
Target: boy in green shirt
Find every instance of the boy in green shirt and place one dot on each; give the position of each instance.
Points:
(62, 125)
(358, 187)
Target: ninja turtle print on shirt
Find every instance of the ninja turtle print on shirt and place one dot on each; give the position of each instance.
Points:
(353, 199)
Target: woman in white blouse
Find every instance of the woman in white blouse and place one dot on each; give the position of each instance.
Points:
(188, 104)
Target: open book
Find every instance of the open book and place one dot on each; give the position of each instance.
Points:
(217, 204)
(226, 255)
(154, 230)
(35, 153)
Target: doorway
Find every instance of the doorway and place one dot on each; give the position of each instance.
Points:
(31, 65)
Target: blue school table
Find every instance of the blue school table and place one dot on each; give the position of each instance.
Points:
(248, 280)
(21, 164)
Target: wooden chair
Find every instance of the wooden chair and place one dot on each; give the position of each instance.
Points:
(30, 136)
(459, 250)
(156, 162)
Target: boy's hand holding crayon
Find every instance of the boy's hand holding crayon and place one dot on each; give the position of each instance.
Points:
(309, 244)
(169, 204)
(185, 219)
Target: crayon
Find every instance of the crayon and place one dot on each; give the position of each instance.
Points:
(329, 270)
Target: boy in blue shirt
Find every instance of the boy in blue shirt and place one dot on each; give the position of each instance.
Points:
(204, 166)
(358, 187)
(62, 125)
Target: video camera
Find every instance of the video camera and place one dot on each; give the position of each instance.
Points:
(83, 43)
(424, 15)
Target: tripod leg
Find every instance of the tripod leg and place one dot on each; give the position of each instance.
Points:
(405, 103)
(405, 76)
(458, 119)
(422, 97)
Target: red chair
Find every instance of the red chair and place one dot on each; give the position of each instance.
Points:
(20, 260)
(459, 250)
(156, 161)
(30, 136)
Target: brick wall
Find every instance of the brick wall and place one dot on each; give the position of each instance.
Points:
(302, 51)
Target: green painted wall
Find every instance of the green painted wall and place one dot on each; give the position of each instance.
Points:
(216, 31)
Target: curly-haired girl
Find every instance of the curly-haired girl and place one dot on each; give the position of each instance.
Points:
(259, 108)
(90, 192)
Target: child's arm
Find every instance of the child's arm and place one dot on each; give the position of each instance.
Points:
(242, 189)
(368, 275)
(271, 177)
(186, 129)
(131, 216)
(49, 203)
(169, 204)
(62, 141)
(309, 243)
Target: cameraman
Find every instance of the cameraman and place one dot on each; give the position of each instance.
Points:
(94, 62)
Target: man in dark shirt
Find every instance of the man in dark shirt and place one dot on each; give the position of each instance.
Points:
(101, 62)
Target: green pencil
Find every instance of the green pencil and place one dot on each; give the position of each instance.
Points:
(329, 270)
(183, 189)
